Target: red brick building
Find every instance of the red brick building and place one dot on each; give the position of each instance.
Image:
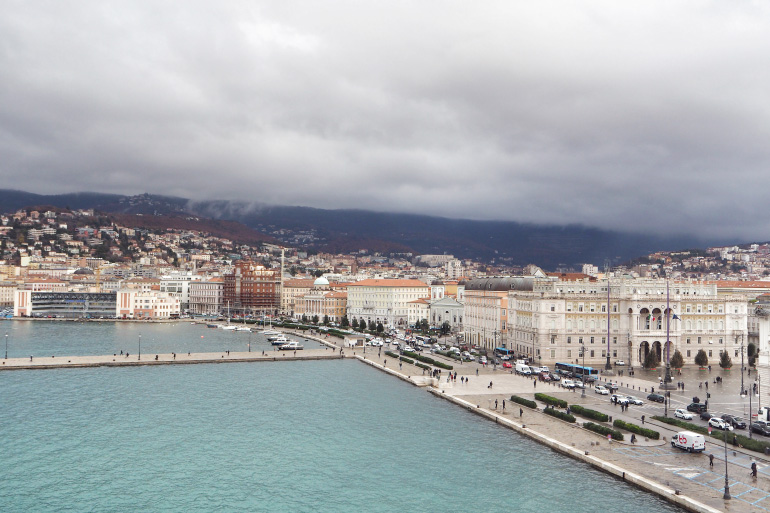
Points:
(251, 288)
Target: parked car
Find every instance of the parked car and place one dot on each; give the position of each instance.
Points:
(634, 400)
(734, 421)
(619, 399)
(568, 383)
(544, 376)
(554, 376)
(612, 387)
(483, 359)
(620, 362)
(579, 384)
(507, 365)
(705, 415)
(718, 423)
(656, 397)
(682, 414)
(696, 407)
(599, 389)
(761, 426)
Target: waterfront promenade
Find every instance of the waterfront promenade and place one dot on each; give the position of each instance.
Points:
(652, 465)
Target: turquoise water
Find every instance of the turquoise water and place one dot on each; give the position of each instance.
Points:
(333, 436)
(58, 338)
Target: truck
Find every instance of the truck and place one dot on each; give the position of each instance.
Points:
(523, 369)
(689, 441)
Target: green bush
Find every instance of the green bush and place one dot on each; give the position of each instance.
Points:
(603, 430)
(525, 402)
(423, 366)
(559, 414)
(547, 399)
(682, 424)
(591, 414)
(392, 354)
(639, 430)
(407, 360)
(427, 359)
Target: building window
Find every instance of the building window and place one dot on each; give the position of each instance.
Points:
(592, 353)
(592, 340)
(614, 353)
(569, 340)
(553, 308)
(688, 353)
(580, 340)
(710, 353)
(699, 340)
(553, 354)
(569, 353)
(688, 340)
(721, 341)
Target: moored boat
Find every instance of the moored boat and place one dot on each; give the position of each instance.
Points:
(293, 345)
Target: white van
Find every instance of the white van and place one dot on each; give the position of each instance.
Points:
(523, 369)
(689, 441)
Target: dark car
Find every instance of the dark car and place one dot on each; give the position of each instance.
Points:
(555, 377)
(761, 427)
(655, 397)
(696, 407)
(734, 421)
(705, 415)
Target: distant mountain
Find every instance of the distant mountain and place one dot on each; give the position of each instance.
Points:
(512, 243)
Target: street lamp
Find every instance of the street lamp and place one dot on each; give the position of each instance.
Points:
(140, 347)
(726, 496)
(583, 370)
(6, 345)
(743, 396)
(743, 391)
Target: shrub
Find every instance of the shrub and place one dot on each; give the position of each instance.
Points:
(591, 414)
(682, 424)
(427, 359)
(603, 430)
(547, 399)
(725, 361)
(423, 366)
(639, 430)
(525, 402)
(701, 359)
(407, 360)
(392, 354)
(559, 415)
(677, 360)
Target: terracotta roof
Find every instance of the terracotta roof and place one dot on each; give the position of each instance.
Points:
(388, 283)
(422, 300)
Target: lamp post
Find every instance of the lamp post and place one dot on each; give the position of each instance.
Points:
(608, 365)
(667, 379)
(6, 345)
(726, 496)
(583, 371)
(743, 396)
(140, 346)
(743, 391)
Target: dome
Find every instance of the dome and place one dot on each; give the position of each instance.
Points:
(84, 270)
(321, 282)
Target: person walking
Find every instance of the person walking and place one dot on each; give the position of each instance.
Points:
(711, 460)
(521, 412)
(642, 419)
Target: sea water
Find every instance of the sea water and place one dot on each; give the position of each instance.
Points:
(311, 436)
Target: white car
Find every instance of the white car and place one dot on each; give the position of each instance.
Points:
(579, 384)
(601, 390)
(619, 399)
(620, 362)
(720, 424)
(683, 414)
(634, 400)
(482, 359)
(568, 383)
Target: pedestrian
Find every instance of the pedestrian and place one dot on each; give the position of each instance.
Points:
(711, 460)
(735, 440)
(495, 404)
(521, 412)
(534, 382)
(568, 410)
(490, 384)
(400, 364)
(477, 372)
(754, 469)
(503, 404)
(633, 439)
(385, 363)
(642, 419)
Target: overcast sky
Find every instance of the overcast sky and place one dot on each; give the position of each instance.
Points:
(644, 115)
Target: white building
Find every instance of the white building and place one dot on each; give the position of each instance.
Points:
(178, 285)
(206, 296)
(136, 304)
(384, 300)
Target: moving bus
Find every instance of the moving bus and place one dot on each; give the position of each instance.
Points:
(577, 371)
(501, 351)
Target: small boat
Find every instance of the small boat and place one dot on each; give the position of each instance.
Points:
(227, 327)
(242, 328)
(276, 336)
(279, 341)
(269, 333)
(291, 346)
(212, 326)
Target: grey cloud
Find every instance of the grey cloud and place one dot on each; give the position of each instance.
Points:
(646, 116)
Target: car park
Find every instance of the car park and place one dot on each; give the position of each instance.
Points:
(656, 397)
(696, 407)
(683, 414)
(718, 423)
(734, 421)
(619, 399)
(705, 415)
(633, 400)
(601, 390)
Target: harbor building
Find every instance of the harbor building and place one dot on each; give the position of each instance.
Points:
(68, 305)
(251, 288)
(384, 300)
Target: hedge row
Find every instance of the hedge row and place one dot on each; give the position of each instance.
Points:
(604, 430)
(392, 354)
(591, 414)
(525, 402)
(423, 366)
(682, 424)
(428, 359)
(559, 414)
(551, 400)
(639, 430)
(407, 360)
